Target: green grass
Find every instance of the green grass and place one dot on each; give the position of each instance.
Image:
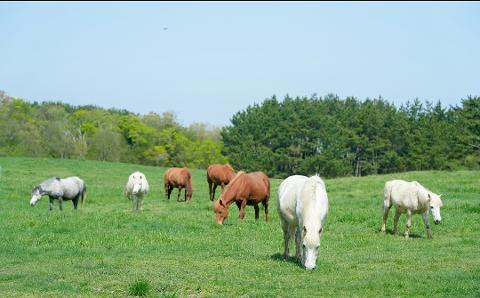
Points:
(174, 249)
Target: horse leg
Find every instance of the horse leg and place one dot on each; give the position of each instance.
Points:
(427, 224)
(265, 205)
(257, 211)
(60, 203)
(51, 202)
(409, 224)
(134, 202)
(395, 220)
(179, 191)
(214, 190)
(170, 189)
(75, 202)
(140, 202)
(298, 241)
(210, 189)
(386, 209)
(239, 205)
(287, 234)
(242, 209)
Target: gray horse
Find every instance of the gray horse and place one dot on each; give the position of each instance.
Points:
(71, 188)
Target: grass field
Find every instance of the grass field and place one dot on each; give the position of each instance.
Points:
(175, 249)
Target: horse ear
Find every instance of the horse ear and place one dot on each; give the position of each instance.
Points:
(221, 203)
(305, 229)
(429, 197)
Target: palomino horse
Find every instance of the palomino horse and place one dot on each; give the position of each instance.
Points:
(178, 178)
(218, 174)
(303, 207)
(244, 189)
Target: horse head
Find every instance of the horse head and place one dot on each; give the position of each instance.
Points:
(221, 211)
(137, 181)
(36, 195)
(435, 203)
(311, 244)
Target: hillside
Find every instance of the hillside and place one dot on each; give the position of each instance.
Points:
(176, 248)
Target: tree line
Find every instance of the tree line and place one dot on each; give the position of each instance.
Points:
(343, 137)
(302, 135)
(59, 130)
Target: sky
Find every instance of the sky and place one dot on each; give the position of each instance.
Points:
(207, 61)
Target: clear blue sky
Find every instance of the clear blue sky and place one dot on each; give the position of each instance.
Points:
(217, 58)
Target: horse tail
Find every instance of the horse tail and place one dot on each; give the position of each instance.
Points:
(83, 196)
(188, 185)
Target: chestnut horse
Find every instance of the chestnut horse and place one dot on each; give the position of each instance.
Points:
(218, 174)
(244, 189)
(178, 178)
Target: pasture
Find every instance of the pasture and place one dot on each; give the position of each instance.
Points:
(175, 249)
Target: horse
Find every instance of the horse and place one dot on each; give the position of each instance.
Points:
(178, 178)
(244, 189)
(71, 188)
(303, 208)
(411, 198)
(218, 174)
(135, 189)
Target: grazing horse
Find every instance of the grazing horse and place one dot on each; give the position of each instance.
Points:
(303, 207)
(136, 188)
(71, 188)
(178, 178)
(218, 174)
(410, 198)
(244, 189)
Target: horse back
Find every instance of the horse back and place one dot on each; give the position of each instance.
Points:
(220, 173)
(177, 176)
(258, 185)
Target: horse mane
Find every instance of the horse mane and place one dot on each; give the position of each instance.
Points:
(235, 184)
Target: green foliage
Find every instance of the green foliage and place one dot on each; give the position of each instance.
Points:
(104, 248)
(335, 137)
(139, 288)
(62, 131)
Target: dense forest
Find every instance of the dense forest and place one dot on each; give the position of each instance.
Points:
(59, 130)
(329, 136)
(343, 137)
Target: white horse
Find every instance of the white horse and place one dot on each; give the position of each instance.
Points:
(410, 198)
(303, 207)
(71, 188)
(136, 189)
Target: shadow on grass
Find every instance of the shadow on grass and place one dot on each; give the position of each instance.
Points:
(390, 232)
(291, 259)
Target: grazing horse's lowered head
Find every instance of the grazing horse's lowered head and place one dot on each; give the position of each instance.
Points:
(221, 211)
(435, 204)
(37, 194)
(137, 183)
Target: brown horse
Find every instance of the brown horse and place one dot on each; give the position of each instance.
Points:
(218, 174)
(178, 178)
(244, 189)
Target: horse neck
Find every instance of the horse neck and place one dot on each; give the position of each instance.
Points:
(230, 193)
(312, 208)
